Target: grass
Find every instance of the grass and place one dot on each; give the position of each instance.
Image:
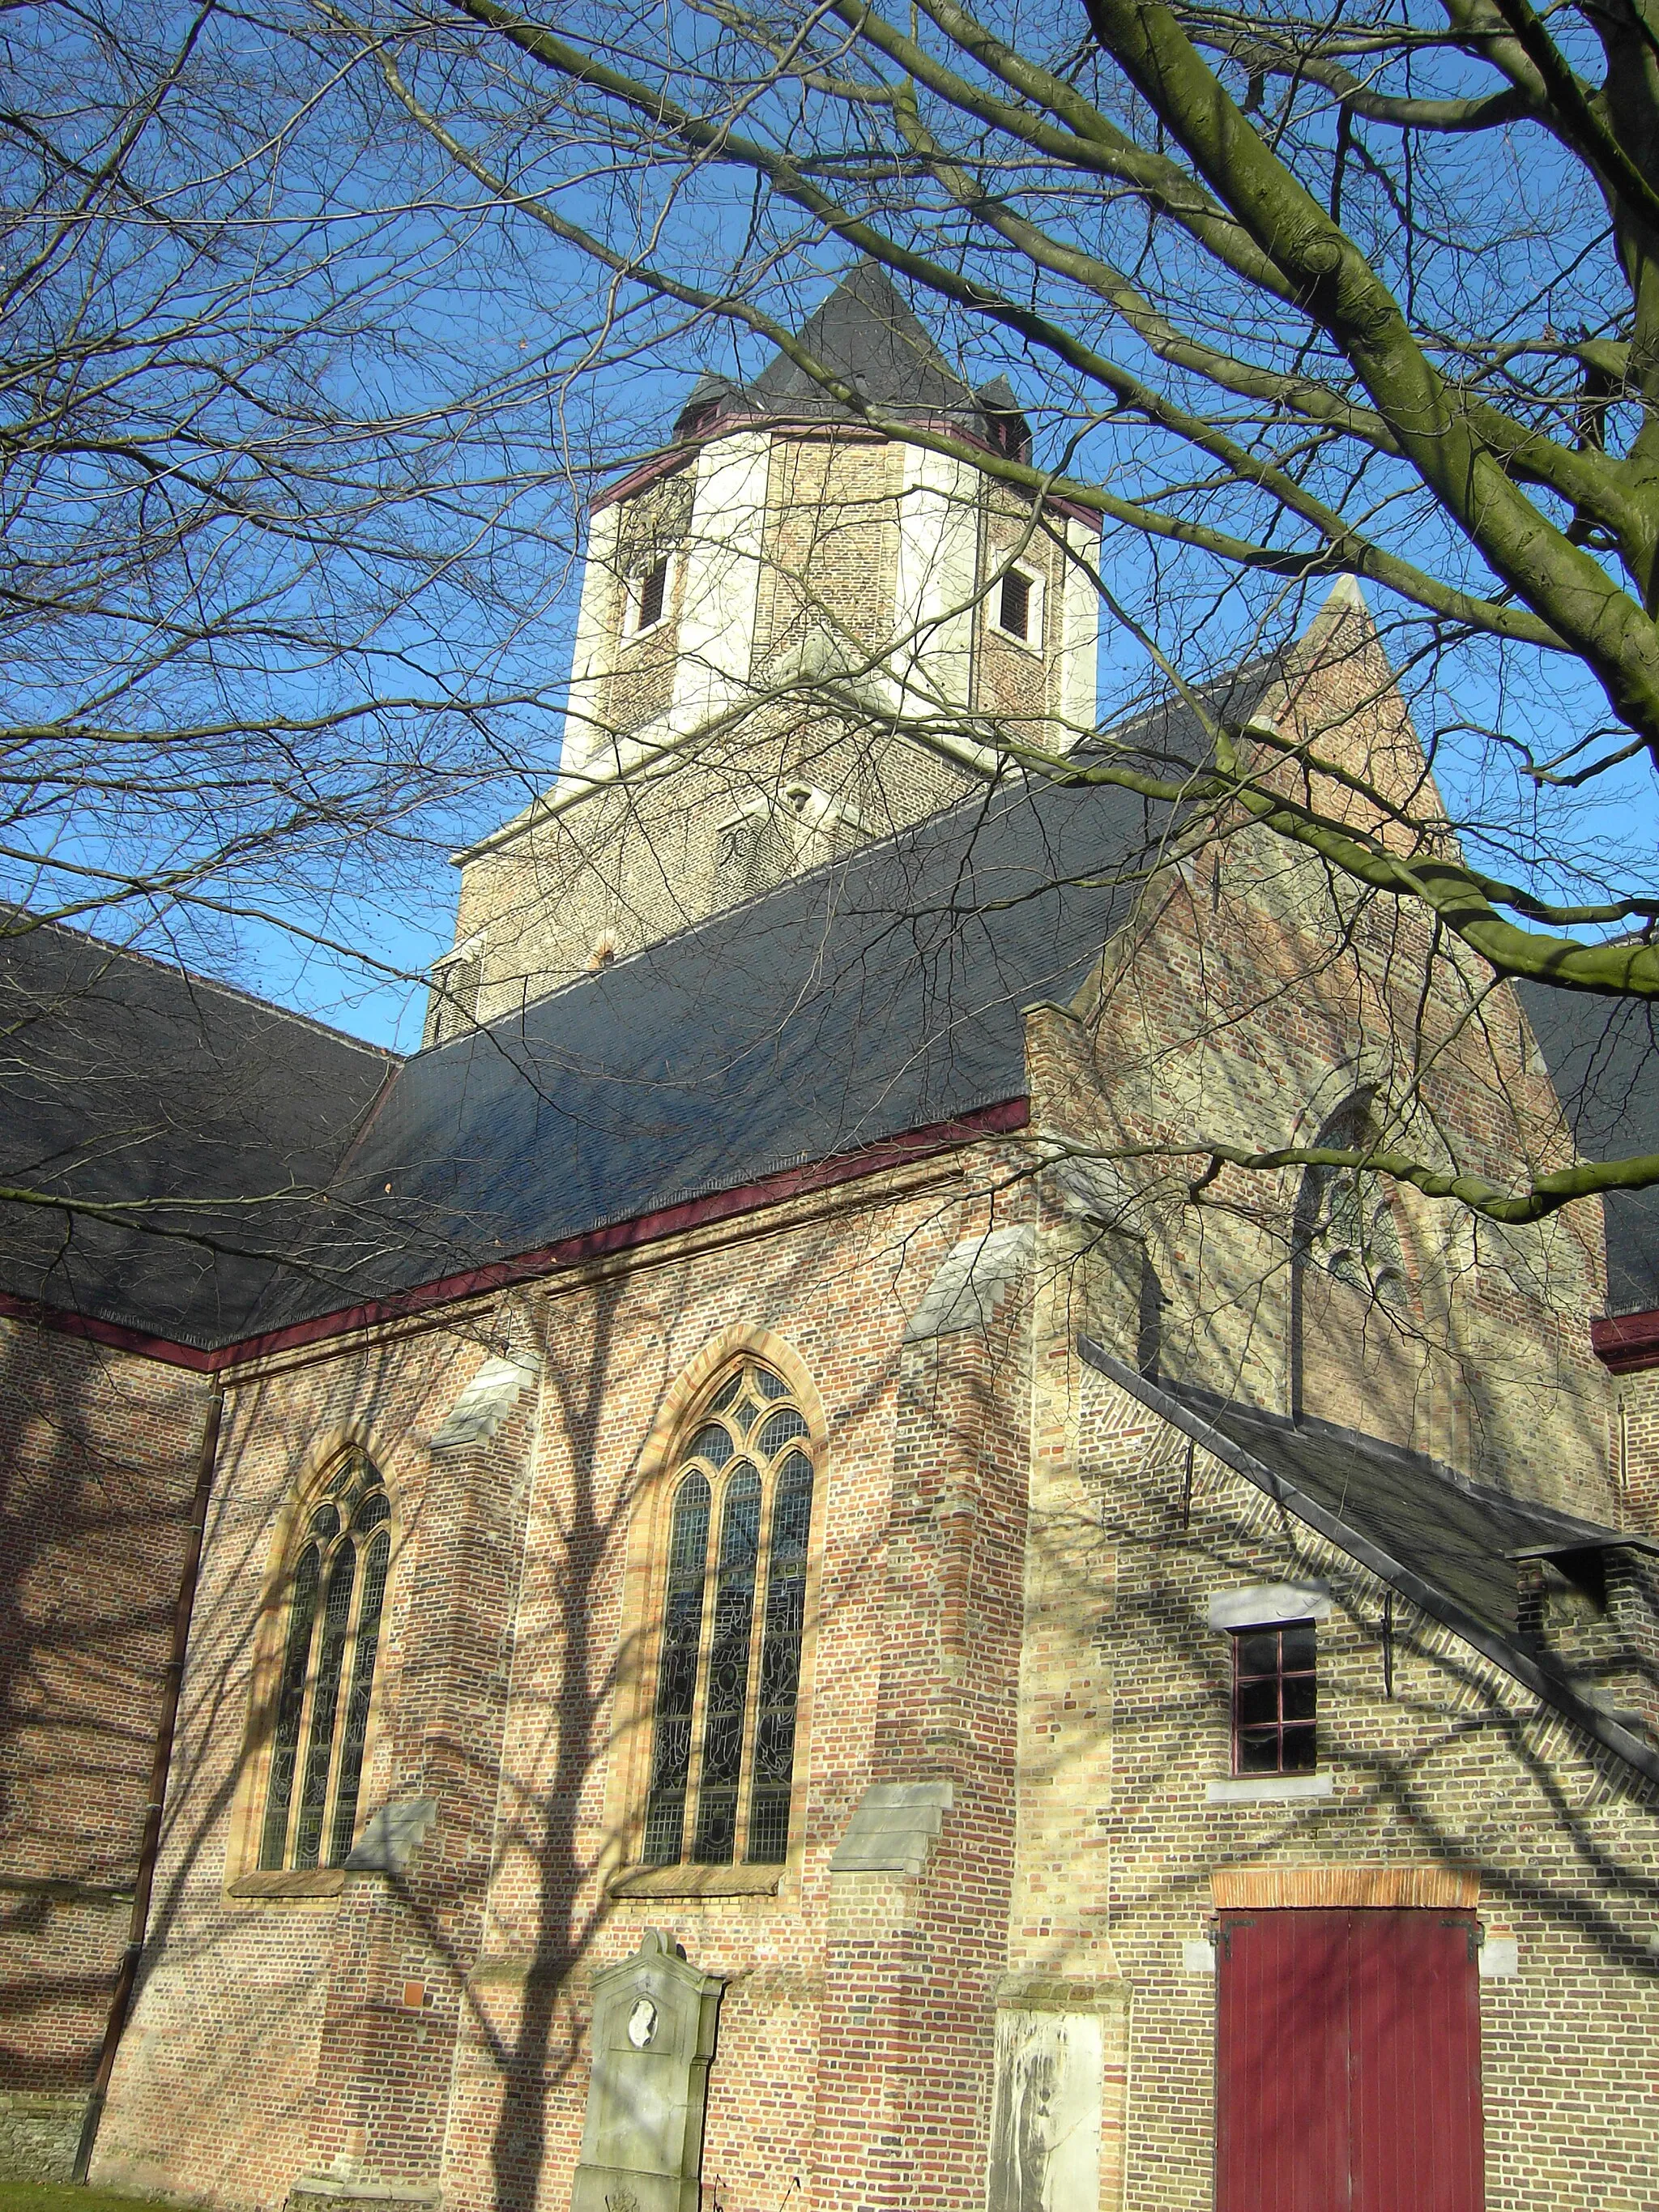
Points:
(63, 2197)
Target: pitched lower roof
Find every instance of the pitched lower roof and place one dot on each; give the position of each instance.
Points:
(197, 1117)
(1449, 1545)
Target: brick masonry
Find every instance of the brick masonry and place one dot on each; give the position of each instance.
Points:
(98, 1453)
(609, 868)
(1008, 1595)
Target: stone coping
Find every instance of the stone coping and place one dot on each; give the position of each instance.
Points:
(66, 1889)
(307, 2192)
(1035, 1990)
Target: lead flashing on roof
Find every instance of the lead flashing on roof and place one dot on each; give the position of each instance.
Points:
(1568, 1532)
(1611, 1540)
(1503, 1655)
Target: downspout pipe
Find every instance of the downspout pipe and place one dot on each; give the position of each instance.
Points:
(161, 1760)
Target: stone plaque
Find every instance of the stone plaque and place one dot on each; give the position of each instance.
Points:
(654, 2035)
(1046, 2112)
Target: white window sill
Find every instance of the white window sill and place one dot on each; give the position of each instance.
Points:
(1269, 1789)
(1033, 647)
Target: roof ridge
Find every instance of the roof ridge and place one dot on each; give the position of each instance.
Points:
(195, 977)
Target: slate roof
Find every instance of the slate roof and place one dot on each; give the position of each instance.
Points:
(877, 995)
(1603, 1057)
(868, 333)
(1448, 1544)
(123, 1080)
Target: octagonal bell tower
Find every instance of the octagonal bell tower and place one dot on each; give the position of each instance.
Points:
(793, 634)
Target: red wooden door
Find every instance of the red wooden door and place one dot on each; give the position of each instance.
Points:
(1348, 2062)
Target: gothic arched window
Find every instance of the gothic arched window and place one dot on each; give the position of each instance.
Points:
(1345, 1223)
(336, 1589)
(732, 1594)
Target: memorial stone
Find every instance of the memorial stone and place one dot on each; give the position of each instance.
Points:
(654, 2019)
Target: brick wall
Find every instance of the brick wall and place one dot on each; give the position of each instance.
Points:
(1634, 1456)
(273, 2039)
(1008, 1600)
(1245, 1003)
(1460, 1768)
(610, 870)
(913, 1965)
(98, 1462)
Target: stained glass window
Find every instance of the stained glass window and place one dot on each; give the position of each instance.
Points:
(323, 1693)
(733, 1608)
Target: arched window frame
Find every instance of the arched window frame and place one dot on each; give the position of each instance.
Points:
(646, 1630)
(1346, 1223)
(306, 1794)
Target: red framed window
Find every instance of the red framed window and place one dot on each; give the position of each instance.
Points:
(1274, 1697)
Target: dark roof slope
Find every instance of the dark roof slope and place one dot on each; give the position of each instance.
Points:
(125, 1081)
(877, 995)
(1463, 1536)
(1448, 1544)
(1603, 1057)
(867, 331)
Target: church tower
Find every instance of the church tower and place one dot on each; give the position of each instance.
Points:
(792, 634)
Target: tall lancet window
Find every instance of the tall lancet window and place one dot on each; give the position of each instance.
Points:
(330, 1646)
(732, 1599)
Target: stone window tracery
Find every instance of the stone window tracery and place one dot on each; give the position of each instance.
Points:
(732, 1599)
(1347, 1225)
(325, 1686)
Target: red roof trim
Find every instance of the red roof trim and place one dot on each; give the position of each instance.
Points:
(109, 1333)
(660, 464)
(594, 1244)
(1626, 1342)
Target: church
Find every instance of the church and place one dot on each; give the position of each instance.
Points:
(739, 1587)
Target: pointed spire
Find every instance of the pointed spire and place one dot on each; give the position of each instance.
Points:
(867, 332)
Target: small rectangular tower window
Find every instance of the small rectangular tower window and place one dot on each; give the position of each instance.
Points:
(1014, 605)
(1273, 1698)
(653, 592)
